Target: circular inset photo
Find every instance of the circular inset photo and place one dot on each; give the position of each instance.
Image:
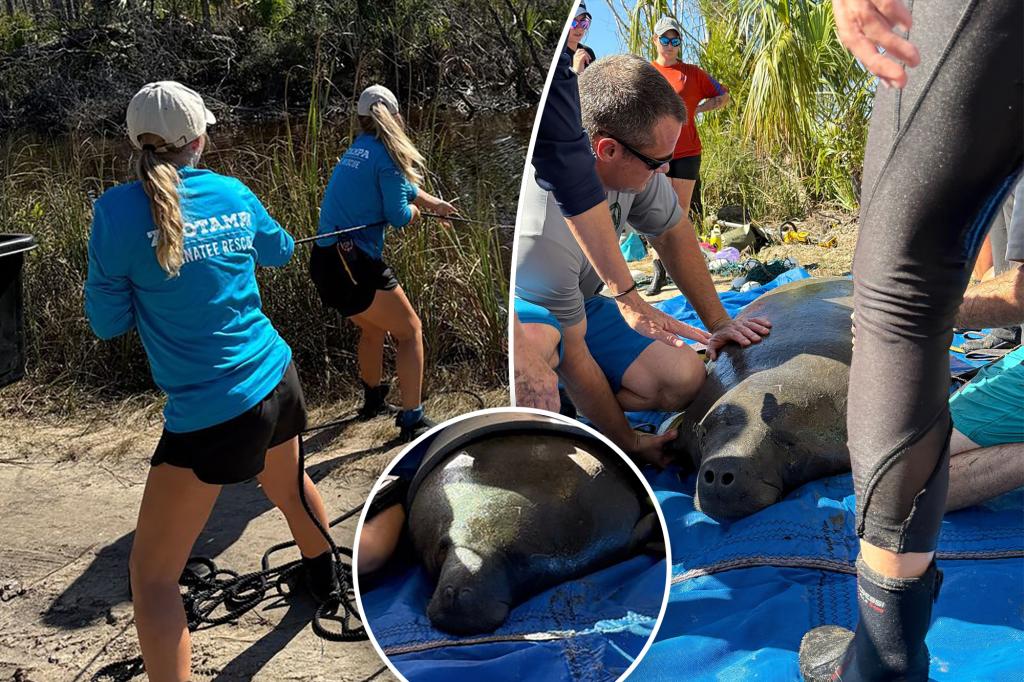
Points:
(511, 544)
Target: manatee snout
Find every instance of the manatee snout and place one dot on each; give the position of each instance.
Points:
(472, 595)
(731, 486)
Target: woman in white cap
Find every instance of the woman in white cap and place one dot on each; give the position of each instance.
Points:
(375, 184)
(174, 255)
(699, 92)
(582, 55)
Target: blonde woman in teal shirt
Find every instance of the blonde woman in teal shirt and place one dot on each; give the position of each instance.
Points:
(375, 185)
(174, 256)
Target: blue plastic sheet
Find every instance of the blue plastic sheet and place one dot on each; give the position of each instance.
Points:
(633, 248)
(744, 593)
(590, 629)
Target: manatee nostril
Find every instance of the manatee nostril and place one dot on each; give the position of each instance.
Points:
(727, 478)
(449, 595)
(709, 476)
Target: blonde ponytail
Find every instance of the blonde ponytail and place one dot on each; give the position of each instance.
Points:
(389, 129)
(158, 172)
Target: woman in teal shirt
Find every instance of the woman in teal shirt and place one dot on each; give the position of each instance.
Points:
(375, 185)
(174, 255)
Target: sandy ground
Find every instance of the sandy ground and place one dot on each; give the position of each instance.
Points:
(69, 494)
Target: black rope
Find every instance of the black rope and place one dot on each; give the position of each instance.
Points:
(214, 596)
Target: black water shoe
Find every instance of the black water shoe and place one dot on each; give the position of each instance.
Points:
(889, 641)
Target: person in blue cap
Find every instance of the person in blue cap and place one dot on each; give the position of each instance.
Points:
(374, 185)
(174, 256)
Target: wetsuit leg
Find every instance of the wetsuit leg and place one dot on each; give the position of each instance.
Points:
(941, 156)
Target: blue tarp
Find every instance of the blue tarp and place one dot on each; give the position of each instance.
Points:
(587, 629)
(744, 593)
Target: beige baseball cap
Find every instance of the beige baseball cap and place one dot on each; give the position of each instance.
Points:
(374, 94)
(168, 109)
(666, 24)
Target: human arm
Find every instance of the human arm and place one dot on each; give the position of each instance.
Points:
(274, 246)
(864, 26)
(536, 383)
(398, 196)
(429, 202)
(580, 60)
(108, 291)
(713, 103)
(592, 394)
(562, 156)
(998, 302)
(595, 234)
(714, 94)
(680, 252)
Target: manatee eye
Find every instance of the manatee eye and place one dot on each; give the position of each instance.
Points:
(442, 552)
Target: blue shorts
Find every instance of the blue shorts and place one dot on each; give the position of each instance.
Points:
(611, 341)
(988, 409)
(531, 313)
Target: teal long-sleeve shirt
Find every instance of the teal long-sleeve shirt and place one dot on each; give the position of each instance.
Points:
(211, 348)
(366, 188)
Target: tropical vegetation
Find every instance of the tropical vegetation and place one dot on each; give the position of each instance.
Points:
(793, 136)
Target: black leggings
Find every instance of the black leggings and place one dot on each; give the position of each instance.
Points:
(941, 156)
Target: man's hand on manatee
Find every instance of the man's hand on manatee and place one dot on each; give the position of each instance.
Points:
(647, 320)
(653, 449)
(743, 331)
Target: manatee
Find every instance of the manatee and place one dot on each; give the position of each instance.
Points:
(503, 508)
(772, 416)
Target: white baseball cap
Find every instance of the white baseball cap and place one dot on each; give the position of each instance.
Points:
(374, 94)
(168, 109)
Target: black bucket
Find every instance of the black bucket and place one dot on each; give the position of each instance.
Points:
(12, 306)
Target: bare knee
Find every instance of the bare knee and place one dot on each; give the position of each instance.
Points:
(368, 334)
(410, 330)
(148, 576)
(283, 494)
(542, 339)
(678, 388)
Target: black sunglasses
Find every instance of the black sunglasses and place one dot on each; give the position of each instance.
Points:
(651, 163)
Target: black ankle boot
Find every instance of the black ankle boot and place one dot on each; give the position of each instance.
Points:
(413, 423)
(374, 400)
(660, 279)
(320, 576)
(889, 641)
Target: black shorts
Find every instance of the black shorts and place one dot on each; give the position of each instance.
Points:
(235, 450)
(347, 279)
(685, 168)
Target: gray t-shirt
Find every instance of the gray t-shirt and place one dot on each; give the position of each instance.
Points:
(551, 268)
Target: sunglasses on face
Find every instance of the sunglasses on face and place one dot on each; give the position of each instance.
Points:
(674, 42)
(651, 163)
(583, 23)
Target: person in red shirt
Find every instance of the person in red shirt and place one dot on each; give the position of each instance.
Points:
(699, 92)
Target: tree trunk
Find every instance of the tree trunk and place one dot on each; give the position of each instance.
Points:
(10, 7)
(206, 12)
